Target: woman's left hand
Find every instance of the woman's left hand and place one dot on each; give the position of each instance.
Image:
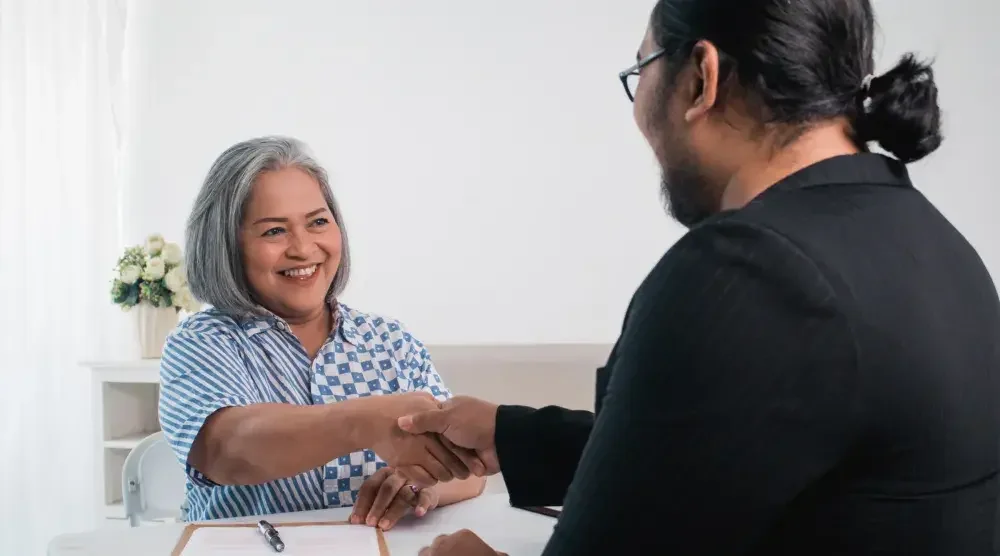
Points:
(387, 496)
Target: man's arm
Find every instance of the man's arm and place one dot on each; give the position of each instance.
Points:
(733, 392)
(538, 450)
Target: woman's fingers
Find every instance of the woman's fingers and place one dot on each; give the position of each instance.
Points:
(437, 462)
(366, 495)
(395, 512)
(469, 457)
(427, 500)
(386, 494)
(456, 468)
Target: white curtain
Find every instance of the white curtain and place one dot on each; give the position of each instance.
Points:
(60, 85)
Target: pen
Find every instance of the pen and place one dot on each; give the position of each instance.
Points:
(271, 534)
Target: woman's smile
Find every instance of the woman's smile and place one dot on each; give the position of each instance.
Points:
(300, 274)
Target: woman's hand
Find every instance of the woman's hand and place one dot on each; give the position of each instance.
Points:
(387, 496)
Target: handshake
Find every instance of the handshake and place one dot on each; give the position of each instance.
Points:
(431, 442)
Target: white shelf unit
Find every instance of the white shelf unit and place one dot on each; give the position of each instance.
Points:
(125, 394)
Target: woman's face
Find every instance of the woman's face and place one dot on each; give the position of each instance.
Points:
(291, 244)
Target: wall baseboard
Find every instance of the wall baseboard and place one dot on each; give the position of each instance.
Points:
(534, 375)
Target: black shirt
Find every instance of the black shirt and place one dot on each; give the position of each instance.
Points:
(813, 374)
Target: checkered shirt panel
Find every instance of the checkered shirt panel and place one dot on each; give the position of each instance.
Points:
(372, 356)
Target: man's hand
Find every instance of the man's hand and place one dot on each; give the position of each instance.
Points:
(462, 543)
(462, 422)
(387, 496)
(425, 457)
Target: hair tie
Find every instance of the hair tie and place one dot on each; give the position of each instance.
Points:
(866, 85)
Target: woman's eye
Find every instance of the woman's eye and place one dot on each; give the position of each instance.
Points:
(273, 232)
(321, 221)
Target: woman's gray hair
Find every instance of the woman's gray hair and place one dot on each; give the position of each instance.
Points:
(214, 258)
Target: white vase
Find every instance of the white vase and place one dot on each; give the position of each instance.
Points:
(153, 324)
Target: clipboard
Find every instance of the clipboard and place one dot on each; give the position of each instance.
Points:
(189, 530)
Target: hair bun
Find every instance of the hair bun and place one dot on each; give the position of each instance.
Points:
(901, 112)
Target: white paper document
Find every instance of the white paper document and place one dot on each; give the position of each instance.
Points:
(302, 540)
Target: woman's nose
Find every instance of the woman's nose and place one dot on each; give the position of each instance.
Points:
(300, 246)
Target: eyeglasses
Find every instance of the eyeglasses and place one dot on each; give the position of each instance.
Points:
(630, 77)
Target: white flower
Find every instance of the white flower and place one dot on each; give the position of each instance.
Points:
(155, 269)
(129, 274)
(154, 244)
(171, 253)
(175, 279)
(184, 300)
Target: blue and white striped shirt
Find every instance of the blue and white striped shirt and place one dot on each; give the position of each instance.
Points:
(212, 361)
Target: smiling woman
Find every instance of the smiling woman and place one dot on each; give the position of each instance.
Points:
(292, 249)
(279, 398)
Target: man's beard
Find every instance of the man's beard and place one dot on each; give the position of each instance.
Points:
(686, 191)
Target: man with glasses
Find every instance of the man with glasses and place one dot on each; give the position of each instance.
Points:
(630, 77)
(813, 368)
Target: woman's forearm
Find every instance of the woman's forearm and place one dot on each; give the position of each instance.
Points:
(459, 490)
(265, 442)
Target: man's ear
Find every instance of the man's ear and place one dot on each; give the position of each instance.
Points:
(702, 88)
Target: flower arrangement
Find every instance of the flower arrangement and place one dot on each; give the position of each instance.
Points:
(153, 274)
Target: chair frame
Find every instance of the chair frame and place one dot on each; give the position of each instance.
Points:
(133, 498)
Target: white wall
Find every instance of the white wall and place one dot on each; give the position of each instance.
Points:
(959, 178)
(494, 185)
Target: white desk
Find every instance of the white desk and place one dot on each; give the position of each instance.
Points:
(509, 530)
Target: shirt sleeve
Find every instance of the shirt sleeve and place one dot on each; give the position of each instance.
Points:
(420, 369)
(539, 450)
(200, 373)
(733, 394)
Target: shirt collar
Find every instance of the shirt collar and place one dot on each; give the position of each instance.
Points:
(348, 328)
(266, 320)
(851, 169)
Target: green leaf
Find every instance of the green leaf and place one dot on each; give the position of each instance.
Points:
(132, 298)
(119, 291)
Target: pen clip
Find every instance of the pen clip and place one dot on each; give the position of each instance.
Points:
(271, 534)
(266, 527)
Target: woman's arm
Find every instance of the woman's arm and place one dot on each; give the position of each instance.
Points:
(264, 442)
(459, 490)
(224, 432)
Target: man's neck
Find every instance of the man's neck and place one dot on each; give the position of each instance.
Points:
(767, 166)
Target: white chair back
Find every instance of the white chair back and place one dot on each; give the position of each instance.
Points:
(153, 481)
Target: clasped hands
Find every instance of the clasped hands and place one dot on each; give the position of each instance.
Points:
(431, 442)
(425, 442)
